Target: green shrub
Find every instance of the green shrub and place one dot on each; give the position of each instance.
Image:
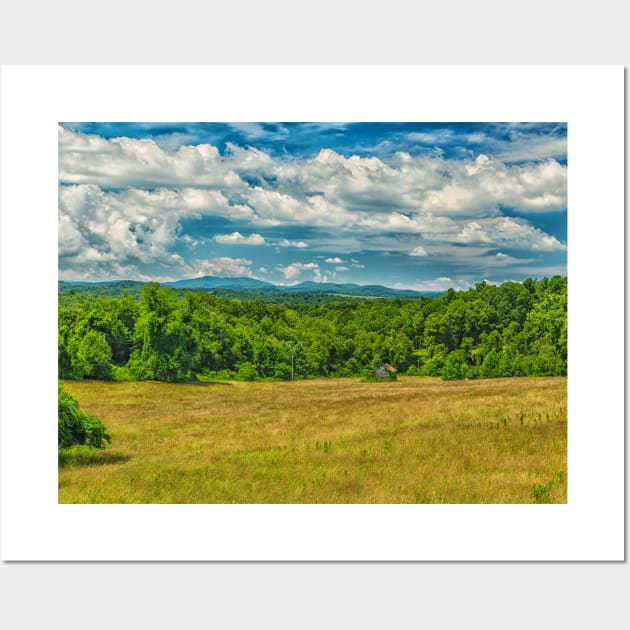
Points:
(472, 372)
(225, 375)
(282, 371)
(454, 368)
(122, 374)
(76, 426)
(246, 372)
(540, 493)
(490, 366)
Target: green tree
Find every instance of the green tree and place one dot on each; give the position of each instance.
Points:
(246, 372)
(511, 329)
(166, 349)
(93, 357)
(433, 360)
(76, 426)
(490, 366)
(454, 367)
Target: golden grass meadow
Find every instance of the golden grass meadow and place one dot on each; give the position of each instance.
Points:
(415, 440)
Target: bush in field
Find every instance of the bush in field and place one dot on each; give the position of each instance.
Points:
(472, 372)
(454, 367)
(246, 372)
(76, 426)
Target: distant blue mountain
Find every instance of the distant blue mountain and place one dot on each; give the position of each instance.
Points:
(215, 282)
(355, 290)
(258, 287)
(309, 287)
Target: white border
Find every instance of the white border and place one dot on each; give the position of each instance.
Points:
(35, 527)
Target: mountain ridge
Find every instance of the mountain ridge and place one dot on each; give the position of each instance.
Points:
(259, 287)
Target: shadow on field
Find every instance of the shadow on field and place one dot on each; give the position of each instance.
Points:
(200, 383)
(209, 383)
(83, 456)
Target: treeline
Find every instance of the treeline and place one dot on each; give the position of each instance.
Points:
(508, 330)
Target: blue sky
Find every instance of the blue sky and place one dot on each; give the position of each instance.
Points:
(413, 205)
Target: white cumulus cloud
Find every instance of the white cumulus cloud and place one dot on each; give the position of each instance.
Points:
(293, 270)
(508, 232)
(236, 238)
(221, 266)
(287, 243)
(123, 201)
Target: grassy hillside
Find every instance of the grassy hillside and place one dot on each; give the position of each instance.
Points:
(417, 440)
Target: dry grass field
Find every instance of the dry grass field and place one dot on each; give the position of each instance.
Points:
(416, 440)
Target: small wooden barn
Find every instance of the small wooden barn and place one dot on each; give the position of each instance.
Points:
(384, 371)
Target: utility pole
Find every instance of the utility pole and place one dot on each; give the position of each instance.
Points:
(292, 353)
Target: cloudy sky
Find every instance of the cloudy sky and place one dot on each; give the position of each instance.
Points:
(425, 206)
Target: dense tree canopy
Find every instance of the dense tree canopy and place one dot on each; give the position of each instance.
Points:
(509, 330)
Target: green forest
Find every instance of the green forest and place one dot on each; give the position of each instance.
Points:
(158, 333)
